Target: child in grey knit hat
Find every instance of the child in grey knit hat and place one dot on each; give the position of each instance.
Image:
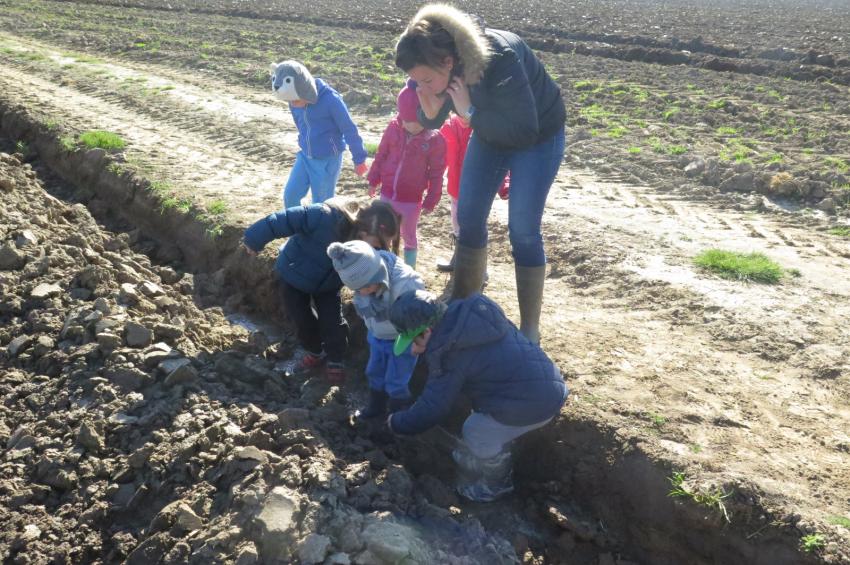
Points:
(378, 278)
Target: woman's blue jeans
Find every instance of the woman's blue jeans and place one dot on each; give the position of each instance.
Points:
(532, 172)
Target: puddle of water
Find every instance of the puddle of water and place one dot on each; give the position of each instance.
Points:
(251, 325)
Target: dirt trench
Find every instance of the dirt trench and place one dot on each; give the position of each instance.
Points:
(589, 491)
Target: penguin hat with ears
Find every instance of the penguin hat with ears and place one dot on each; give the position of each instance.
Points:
(292, 81)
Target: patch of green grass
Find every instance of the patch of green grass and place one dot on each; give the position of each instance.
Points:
(775, 158)
(22, 147)
(183, 205)
(837, 163)
(584, 85)
(740, 266)
(839, 521)
(676, 149)
(657, 420)
(695, 448)
(217, 207)
(103, 140)
(776, 95)
(712, 499)
(840, 231)
(68, 143)
(371, 148)
(115, 169)
(656, 145)
(635, 150)
(726, 130)
(811, 542)
(716, 104)
(51, 125)
(86, 59)
(617, 131)
(670, 112)
(595, 112)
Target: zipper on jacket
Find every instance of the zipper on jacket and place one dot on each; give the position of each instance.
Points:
(407, 139)
(309, 147)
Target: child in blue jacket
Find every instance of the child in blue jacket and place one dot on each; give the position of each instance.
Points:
(378, 278)
(324, 127)
(308, 279)
(472, 348)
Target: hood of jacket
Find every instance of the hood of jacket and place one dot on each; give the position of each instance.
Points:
(467, 323)
(472, 45)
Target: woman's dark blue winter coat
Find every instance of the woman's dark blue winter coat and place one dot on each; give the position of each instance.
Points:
(477, 351)
(303, 260)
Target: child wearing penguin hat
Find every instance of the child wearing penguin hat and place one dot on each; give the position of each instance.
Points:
(324, 127)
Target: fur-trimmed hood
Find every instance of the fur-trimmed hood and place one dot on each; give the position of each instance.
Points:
(472, 45)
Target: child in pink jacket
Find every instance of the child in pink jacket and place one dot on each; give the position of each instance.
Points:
(410, 161)
(457, 132)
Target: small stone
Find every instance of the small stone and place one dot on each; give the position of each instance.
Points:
(168, 366)
(248, 555)
(45, 290)
(290, 418)
(128, 378)
(827, 205)
(43, 345)
(18, 345)
(277, 522)
(102, 306)
(338, 559)
(313, 548)
(122, 419)
(26, 239)
(89, 437)
(187, 519)
(251, 452)
(31, 532)
(11, 259)
(128, 294)
(695, 168)
(167, 331)
(7, 184)
(137, 335)
(108, 341)
(151, 290)
(181, 375)
(80, 293)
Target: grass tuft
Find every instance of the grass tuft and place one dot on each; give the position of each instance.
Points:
(740, 266)
(811, 542)
(839, 521)
(371, 148)
(712, 499)
(840, 231)
(102, 139)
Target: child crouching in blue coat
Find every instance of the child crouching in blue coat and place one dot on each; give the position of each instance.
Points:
(472, 348)
(378, 278)
(308, 279)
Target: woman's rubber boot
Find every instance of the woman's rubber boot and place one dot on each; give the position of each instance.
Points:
(484, 480)
(410, 258)
(377, 407)
(448, 266)
(470, 268)
(529, 290)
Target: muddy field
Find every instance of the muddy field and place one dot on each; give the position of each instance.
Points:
(140, 424)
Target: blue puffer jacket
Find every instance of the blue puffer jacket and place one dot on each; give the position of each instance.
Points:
(476, 350)
(303, 261)
(326, 126)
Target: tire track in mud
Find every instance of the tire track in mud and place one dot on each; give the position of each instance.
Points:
(641, 329)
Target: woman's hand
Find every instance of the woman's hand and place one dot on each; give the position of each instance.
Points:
(431, 103)
(460, 95)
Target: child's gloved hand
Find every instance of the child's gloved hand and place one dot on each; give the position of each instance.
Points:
(361, 169)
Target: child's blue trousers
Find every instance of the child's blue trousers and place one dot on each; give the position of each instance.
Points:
(386, 371)
(318, 175)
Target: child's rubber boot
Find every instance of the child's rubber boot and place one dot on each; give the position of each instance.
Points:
(335, 373)
(470, 267)
(448, 266)
(484, 479)
(529, 290)
(377, 407)
(397, 404)
(410, 258)
(309, 362)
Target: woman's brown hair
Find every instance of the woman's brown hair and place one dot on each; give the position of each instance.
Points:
(426, 43)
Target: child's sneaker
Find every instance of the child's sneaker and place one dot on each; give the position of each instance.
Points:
(305, 364)
(335, 373)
